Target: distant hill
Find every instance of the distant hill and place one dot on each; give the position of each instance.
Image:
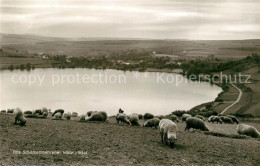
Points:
(106, 46)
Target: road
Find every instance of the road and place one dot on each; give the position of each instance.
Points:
(238, 99)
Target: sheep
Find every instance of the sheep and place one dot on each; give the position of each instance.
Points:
(90, 112)
(160, 117)
(97, 116)
(61, 111)
(44, 111)
(140, 116)
(57, 116)
(74, 114)
(185, 116)
(120, 110)
(148, 116)
(174, 118)
(10, 111)
(39, 112)
(226, 119)
(234, 119)
(67, 116)
(121, 117)
(18, 117)
(28, 112)
(134, 120)
(3, 111)
(152, 123)
(200, 117)
(168, 131)
(195, 123)
(213, 119)
(248, 130)
(82, 118)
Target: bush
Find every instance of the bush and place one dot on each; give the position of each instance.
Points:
(218, 100)
(208, 105)
(148, 116)
(179, 112)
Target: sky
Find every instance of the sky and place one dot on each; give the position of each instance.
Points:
(156, 19)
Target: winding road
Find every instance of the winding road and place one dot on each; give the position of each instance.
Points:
(238, 99)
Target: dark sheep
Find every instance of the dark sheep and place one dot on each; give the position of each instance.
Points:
(10, 111)
(140, 116)
(18, 117)
(39, 112)
(195, 123)
(234, 119)
(148, 116)
(134, 120)
(226, 119)
(213, 119)
(97, 116)
(28, 112)
(61, 111)
(3, 111)
(152, 123)
(89, 113)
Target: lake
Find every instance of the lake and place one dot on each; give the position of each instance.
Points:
(82, 90)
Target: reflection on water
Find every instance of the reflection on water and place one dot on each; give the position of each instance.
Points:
(82, 90)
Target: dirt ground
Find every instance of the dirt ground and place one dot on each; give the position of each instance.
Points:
(118, 144)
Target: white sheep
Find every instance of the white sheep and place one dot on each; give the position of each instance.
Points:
(57, 116)
(196, 123)
(121, 117)
(168, 130)
(248, 130)
(18, 117)
(67, 115)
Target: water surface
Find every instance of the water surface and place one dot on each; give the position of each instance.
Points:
(134, 92)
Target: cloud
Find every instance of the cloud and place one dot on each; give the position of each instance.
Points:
(224, 19)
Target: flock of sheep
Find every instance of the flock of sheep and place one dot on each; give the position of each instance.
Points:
(167, 128)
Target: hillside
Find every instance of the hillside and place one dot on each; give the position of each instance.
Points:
(118, 144)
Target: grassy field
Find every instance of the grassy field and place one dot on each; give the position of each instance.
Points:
(118, 144)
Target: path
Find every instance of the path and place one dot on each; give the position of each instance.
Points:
(238, 99)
